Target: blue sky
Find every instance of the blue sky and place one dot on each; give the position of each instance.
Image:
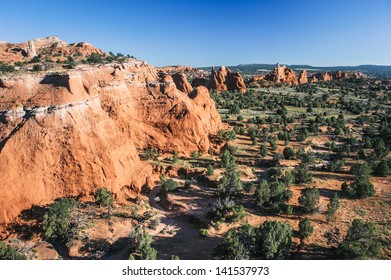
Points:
(203, 33)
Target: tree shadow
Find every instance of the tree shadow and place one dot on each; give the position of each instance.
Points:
(30, 222)
(314, 252)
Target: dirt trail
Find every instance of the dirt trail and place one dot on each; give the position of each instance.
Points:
(178, 234)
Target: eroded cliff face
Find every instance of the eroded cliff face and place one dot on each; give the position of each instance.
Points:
(67, 134)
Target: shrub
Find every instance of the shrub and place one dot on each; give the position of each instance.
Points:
(240, 118)
(194, 154)
(7, 68)
(301, 175)
(103, 197)
(288, 153)
(305, 229)
(230, 184)
(273, 145)
(361, 186)
(152, 153)
(169, 185)
(264, 150)
(35, 59)
(140, 246)
(37, 67)
(10, 253)
(57, 223)
(204, 232)
(309, 199)
(175, 157)
(227, 160)
(360, 242)
(382, 169)
(332, 207)
(274, 240)
(237, 244)
(273, 195)
(94, 58)
(210, 170)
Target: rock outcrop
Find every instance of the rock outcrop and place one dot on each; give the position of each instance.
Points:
(182, 83)
(223, 79)
(282, 75)
(69, 133)
(285, 75)
(303, 79)
(51, 48)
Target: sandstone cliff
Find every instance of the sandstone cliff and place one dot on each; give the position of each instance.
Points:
(69, 133)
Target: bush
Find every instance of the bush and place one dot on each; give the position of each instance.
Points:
(382, 169)
(175, 157)
(10, 253)
(35, 59)
(305, 229)
(309, 199)
(140, 245)
(301, 175)
(103, 197)
(230, 184)
(37, 67)
(264, 150)
(360, 242)
(288, 153)
(169, 185)
(240, 118)
(274, 240)
(94, 58)
(273, 145)
(237, 244)
(57, 223)
(204, 232)
(361, 187)
(274, 195)
(6, 68)
(227, 160)
(332, 207)
(194, 154)
(210, 170)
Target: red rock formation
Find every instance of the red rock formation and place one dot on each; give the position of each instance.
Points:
(224, 79)
(326, 77)
(282, 74)
(182, 83)
(303, 77)
(314, 79)
(70, 133)
(48, 48)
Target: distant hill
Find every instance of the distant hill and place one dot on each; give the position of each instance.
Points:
(254, 69)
